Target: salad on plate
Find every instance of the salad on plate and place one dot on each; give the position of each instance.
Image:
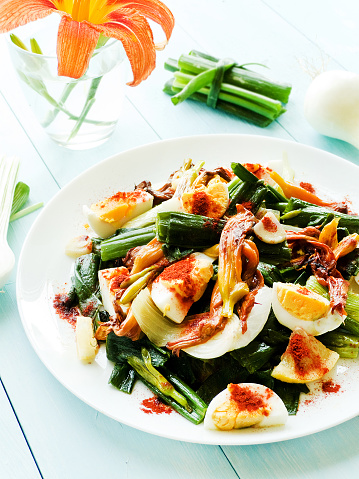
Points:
(226, 291)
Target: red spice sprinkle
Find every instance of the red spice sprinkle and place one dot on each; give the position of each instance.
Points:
(116, 282)
(154, 405)
(269, 224)
(248, 205)
(129, 196)
(89, 308)
(213, 224)
(307, 186)
(248, 400)
(62, 308)
(304, 358)
(304, 291)
(181, 271)
(330, 387)
(200, 203)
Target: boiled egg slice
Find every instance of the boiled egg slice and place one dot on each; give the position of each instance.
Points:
(110, 280)
(306, 359)
(106, 216)
(181, 284)
(210, 200)
(296, 306)
(245, 405)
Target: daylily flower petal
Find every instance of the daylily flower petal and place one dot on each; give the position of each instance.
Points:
(136, 36)
(15, 13)
(82, 23)
(152, 9)
(76, 42)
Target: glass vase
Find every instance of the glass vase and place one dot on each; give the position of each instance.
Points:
(76, 114)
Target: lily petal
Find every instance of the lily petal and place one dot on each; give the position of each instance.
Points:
(76, 42)
(152, 9)
(136, 36)
(15, 13)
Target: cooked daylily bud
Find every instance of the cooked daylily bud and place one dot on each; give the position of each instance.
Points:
(346, 246)
(231, 285)
(186, 179)
(269, 230)
(78, 246)
(305, 359)
(207, 200)
(187, 165)
(85, 340)
(106, 216)
(329, 235)
(212, 252)
(147, 256)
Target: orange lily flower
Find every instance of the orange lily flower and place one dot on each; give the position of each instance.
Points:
(82, 22)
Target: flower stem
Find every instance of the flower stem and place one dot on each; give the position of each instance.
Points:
(53, 114)
(88, 105)
(40, 88)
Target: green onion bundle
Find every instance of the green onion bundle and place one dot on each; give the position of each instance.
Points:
(227, 86)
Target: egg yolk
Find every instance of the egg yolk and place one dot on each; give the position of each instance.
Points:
(210, 200)
(301, 302)
(119, 205)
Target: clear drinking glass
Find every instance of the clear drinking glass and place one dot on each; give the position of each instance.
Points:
(77, 114)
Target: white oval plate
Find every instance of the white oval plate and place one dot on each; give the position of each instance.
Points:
(62, 219)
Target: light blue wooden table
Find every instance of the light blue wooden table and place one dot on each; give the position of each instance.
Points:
(45, 431)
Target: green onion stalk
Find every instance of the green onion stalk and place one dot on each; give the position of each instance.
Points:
(21, 195)
(227, 86)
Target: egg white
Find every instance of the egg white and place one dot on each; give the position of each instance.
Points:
(232, 337)
(256, 320)
(219, 344)
(105, 229)
(328, 322)
(278, 414)
(100, 227)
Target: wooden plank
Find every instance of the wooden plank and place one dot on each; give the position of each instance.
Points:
(337, 36)
(330, 454)
(61, 430)
(248, 32)
(70, 439)
(14, 142)
(15, 457)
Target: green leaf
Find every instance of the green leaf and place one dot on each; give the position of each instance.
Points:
(254, 356)
(16, 40)
(35, 47)
(123, 377)
(21, 195)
